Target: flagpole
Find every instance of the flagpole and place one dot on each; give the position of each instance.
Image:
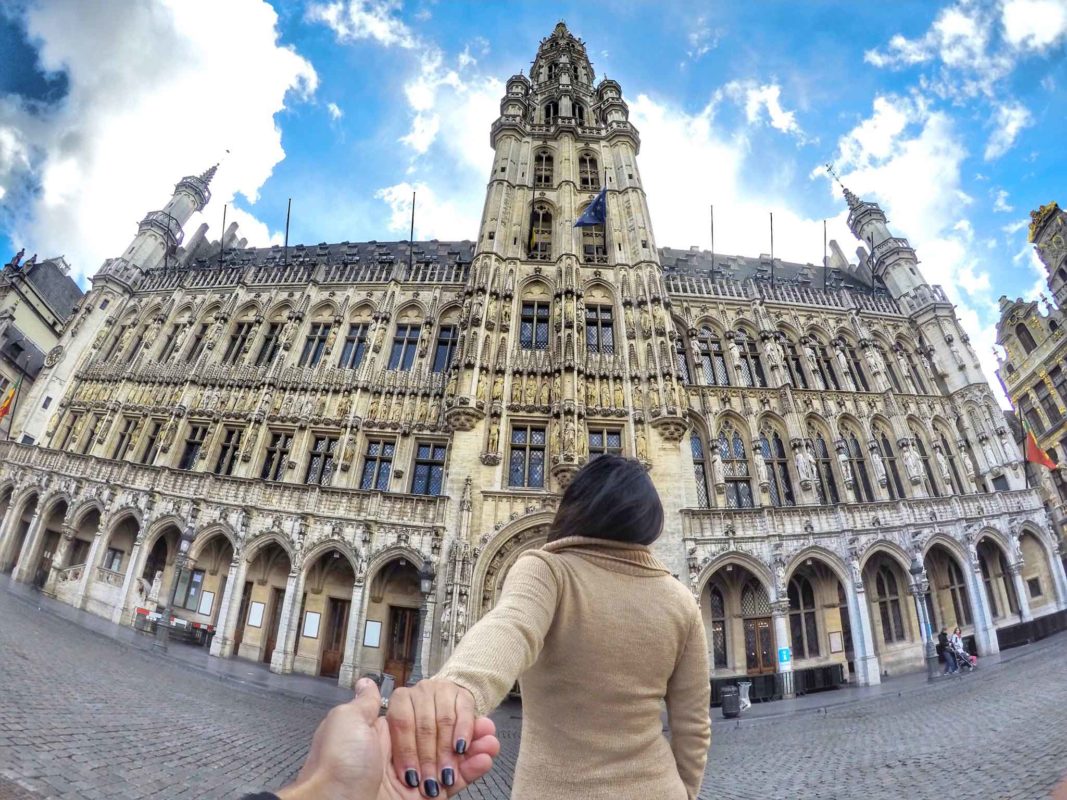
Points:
(825, 258)
(411, 238)
(772, 248)
(14, 406)
(288, 209)
(222, 236)
(713, 242)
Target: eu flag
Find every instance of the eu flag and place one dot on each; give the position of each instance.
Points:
(596, 212)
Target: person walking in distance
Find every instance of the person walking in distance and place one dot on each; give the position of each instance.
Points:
(944, 649)
(599, 634)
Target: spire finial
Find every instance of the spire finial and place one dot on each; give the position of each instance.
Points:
(850, 198)
(207, 175)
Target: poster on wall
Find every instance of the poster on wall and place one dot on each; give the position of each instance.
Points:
(255, 615)
(372, 635)
(836, 643)
(311, 624)
(207, 599)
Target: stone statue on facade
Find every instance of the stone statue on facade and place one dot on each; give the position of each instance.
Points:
(762, 474)
(805, 464)
(878, 465)
(774, 352)
(943, 465)
(718, 473)
(913, 464)
(498, 387)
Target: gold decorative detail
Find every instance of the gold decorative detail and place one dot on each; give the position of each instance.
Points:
(1040, 217)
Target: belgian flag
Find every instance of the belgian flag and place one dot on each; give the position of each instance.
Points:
(1034, 453)
(9, 399)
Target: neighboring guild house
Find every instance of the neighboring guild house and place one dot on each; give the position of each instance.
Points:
(1033, 366)
(37, 298)
(329, 456)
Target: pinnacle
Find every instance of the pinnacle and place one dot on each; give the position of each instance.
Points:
(850, 198)
(561, 29)
(209, 173)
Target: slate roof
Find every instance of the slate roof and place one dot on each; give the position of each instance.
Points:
(55, 287)
(347, 252)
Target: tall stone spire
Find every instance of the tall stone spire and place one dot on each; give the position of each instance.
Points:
(208, 174)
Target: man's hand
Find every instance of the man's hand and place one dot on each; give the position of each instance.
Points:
(351, 752)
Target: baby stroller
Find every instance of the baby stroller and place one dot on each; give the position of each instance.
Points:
(965, 662)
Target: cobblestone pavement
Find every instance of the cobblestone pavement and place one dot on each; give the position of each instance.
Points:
(84, 717)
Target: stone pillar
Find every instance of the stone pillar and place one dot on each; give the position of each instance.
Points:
(985, 631)
(1059, 578)
(226, 624)
(1021, 594)
(927, 647)
(780, 616)
(89, 573)
(59, 559)
(288, 627)
(123, 613)
(865, 660)
(353, 650)
(25, 563)
(8, 532)
(429, 627)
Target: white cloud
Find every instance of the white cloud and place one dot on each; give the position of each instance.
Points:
(1008, 123)
(701, 39)
(365, 19)
(335, 111)
(1034, 24)
(435, 216)
(1001, 204)
(760, 102)
(127, 131)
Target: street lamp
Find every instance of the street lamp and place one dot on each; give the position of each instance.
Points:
(426, 576)
(163, 624)
(921, 586)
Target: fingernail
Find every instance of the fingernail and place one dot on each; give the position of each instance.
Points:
(461, 746)
(448, 777)
(430, 785)
(411, 778)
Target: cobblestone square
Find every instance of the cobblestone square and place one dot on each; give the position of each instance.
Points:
(85, 717)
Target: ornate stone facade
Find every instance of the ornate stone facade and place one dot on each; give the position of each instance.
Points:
(297, 433)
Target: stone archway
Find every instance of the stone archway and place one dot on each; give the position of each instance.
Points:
(736, 603)
(896, 630)
(22, 513)
(496, 559)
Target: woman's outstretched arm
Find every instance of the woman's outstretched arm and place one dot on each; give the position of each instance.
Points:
(433, 722)
(688, 707)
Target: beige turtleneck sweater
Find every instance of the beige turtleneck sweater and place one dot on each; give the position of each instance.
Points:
(599, 634)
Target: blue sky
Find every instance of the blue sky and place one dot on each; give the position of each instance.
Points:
(948, 114)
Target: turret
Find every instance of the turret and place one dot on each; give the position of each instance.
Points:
(1048, 230)
(893, 260)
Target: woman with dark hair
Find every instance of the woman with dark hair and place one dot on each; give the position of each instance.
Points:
(599, 634)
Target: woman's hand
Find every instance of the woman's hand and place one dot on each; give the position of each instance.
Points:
(432, 726)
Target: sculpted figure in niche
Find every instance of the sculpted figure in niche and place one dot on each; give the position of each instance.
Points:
(516, 388)
(482, 385)
(813, 366)
(557, 394)
(878, 465)
(544, 391)
(590, 392)
(605, 393)
(494, 438)
(568, 436)
(805, 464)
(642, 444)
(913, 464)
(653, 394)
(762, 475)
(620, 401)
(735, 351)
(943, 465)
(531, 390)
(846, 467)
(498, 387)
(774, 352)
(718, 474)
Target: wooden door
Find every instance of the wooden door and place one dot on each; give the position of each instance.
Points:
(44, 565)
(242, 616)
(403, 635)
(274, 620)
(761, 658)
(333, 641)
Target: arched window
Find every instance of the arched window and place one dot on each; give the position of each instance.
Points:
(712, 359)
(825, 364)
(828, 494)
(681, 358)
(803, 628)
(958, 589)
(540, 233)
(924, 455)
(718, 629)
(543, 168)
(1026, 339)
(857, 462)
(894, 484)
(916, 376)
(594, 243)
(890, 369)
(700, 471)
(887, 596)
(754, 600)
(551, 112)
(735, 468)
(794, 362)
(855, 366)
(774, 455)
(750, 364)
(588, 173)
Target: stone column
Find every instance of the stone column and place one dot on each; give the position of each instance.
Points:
(288, 627)
(429, 628)
(780, 617)
(25, 561)
(1021, 595)
(864, 658)
(226, 624)
(89, 573)
(59, 559)
(985, 632)
(123, 614)
(1059, 578)
(927, 648)
(7, 534)
(350, 663)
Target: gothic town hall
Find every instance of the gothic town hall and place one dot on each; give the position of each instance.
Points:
(326, 457)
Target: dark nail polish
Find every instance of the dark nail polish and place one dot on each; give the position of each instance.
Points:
(461, 746)
(430, 786)
(411, 778)
(448, 777)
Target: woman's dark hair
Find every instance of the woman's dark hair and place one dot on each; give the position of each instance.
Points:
(610, 498)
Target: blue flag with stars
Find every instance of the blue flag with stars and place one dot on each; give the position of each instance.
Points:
(596, 212)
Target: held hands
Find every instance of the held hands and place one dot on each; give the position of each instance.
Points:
(351, 753)
(434, 730)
